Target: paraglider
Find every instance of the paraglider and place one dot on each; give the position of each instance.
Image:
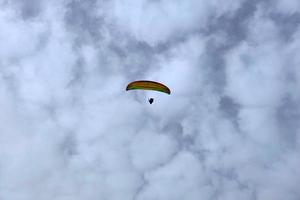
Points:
(148, 85)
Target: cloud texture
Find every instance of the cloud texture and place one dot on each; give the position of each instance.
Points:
(229, 130)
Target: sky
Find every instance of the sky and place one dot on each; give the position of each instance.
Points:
(229, 130)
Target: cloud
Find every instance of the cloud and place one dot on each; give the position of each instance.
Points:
(229, 130)
(158, 21)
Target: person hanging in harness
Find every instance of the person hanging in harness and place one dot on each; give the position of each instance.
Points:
(151, 100)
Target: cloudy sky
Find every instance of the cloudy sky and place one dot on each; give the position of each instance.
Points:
(229, 130)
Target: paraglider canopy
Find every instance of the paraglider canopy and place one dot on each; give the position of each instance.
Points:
(148, 85)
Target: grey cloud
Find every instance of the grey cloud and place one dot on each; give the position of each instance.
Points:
(230, 109)
(288, 115)
(81, 16)
(30, 9)
(26, 10)
(287, 24)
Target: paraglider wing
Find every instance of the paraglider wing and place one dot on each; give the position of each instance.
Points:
(148, 85)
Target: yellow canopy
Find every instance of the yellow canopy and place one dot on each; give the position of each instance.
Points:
(148, 85)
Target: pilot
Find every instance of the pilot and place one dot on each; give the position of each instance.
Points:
(151, 100)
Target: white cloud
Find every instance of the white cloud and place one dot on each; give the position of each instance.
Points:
(229, 129)
(150, 150)
(182, 178)
(159, 21)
